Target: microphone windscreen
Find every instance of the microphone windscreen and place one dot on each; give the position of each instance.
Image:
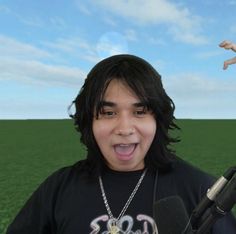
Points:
(171, 216)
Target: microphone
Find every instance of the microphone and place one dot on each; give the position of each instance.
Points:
(171, 216)
(224, 203)
(210, 197)
(227, 198)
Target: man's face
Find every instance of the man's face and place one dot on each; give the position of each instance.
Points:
(124, 129)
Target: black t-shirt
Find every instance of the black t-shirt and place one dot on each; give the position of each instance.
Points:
(68, 203)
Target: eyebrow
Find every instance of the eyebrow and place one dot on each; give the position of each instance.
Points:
(112, 104)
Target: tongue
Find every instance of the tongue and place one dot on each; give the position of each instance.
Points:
(124, 149)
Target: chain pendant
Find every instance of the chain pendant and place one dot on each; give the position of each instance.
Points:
(114, 229)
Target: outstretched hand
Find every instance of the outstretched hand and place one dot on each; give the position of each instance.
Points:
(228, 45)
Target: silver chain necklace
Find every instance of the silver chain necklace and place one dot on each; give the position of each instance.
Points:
(114, 229)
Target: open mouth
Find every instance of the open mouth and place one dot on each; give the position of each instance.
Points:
(124, 150)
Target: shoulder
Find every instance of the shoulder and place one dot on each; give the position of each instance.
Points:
(63, 177)
(186, 181)
(188, 173)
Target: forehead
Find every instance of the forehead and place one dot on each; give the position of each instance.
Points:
(118, 91)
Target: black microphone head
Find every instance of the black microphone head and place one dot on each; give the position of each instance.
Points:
(171, 216)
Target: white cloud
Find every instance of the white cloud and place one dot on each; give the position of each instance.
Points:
(130, 35)
(84, 9)
(58, 22)
(41, 88)
(187, 36)
(182, 24)
(108, 20)
(91, 57)
(195, 84)
(36, 72)
(31, 107)
(233, 28)
(209, 54)
(31, 21)
(159, 64)
(24, 62)
(75, 47)
(68, 44)
(232, 3)
(155, 41)
(111, 43)
(202, 97)
(4, 9)
(10, 47)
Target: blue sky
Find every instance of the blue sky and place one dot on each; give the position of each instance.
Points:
(48, 47)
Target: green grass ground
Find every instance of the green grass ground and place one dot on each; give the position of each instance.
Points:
(31, 150)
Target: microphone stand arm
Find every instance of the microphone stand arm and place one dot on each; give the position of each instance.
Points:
(224, 203)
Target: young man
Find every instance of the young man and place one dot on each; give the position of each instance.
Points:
(123, 115)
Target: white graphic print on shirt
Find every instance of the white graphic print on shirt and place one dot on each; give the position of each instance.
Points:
(124, 225)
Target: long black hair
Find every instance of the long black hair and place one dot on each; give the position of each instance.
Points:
(146, 83)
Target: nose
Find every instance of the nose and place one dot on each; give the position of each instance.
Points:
(124, 126)
(125, 132)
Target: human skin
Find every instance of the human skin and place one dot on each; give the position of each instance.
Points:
(124, 129)
(228, 45)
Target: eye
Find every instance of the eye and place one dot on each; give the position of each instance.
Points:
(140, 112)
(107, 113)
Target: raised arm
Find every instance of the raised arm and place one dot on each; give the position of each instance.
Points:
(228, 45)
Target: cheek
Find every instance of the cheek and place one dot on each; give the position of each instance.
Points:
(149, 130)
(100, 131)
